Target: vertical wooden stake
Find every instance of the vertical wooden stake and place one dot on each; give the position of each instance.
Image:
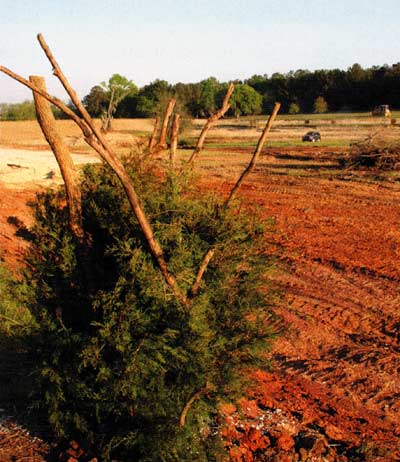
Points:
(211, 121)
(94, 138)
(256, 154)
(174, 138)
(210, 252)
(62, 154)
(153, 139)
(162, 142)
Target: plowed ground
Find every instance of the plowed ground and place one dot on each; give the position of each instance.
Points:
(333, 391)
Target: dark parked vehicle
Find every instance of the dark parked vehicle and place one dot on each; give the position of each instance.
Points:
(312, 136)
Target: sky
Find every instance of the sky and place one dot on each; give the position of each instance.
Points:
(190, 40)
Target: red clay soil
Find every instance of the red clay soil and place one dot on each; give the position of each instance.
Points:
(14, 213)
(333, 391)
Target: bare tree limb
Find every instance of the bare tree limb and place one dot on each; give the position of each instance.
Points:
(108, 115)
(113, 161)
(63, 156)
(211, 121)
(94, 138)
(211, 251)
(188, 405)
(174, 138)
(256, 154)
(53, 100)
(71, 92)
(147, 230)
(162, 142)
(153, 138)
(203, 266)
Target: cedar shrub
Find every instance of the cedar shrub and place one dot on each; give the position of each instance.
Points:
(119, 356)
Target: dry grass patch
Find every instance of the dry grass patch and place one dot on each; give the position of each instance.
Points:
(27, 134)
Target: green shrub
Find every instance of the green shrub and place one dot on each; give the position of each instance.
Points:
(14, 316)
(119, 356)
(18, 111)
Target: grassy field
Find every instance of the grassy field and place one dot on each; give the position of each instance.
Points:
(337, 130)
(333, 116)
(289, 130)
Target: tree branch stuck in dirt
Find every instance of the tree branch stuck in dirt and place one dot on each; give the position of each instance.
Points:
(211, 121)
(96, 140)
(63, 156)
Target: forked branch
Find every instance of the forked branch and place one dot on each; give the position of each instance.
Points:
(53, 100)
(211, 121)
(153, 138)
(113, 161)
(256, 154)
(211, 251)
(162, 142)
(174, 138)
(95, 139)
(189, 404)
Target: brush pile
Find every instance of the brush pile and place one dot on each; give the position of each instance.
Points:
(374, 152)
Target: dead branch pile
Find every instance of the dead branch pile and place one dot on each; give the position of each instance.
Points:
(373, 152)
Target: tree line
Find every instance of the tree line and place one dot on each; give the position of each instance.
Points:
(301, 91)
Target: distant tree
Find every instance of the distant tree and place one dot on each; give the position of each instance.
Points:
(245, 101)
(320, 105)
(96, 101)
(116, 89)
(356, 89)
(277, 90)
(356, 72)
(294, 108)
(188, 97)
(209, 89)
(18, 111)
(152, 97)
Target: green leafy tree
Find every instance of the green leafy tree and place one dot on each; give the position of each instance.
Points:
(120, 356)
(208, 93)
(320, 105)
(294, 108)
(18, 111)
(116, 89)
(152, 98)
(96, 102)
(245, 101)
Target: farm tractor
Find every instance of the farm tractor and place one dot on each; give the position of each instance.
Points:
(381, 111)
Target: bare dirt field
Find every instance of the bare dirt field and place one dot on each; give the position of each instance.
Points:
(333, 391)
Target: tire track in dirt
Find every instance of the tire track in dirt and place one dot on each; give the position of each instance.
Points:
(342, 298)
(333, 393)
(336, 369)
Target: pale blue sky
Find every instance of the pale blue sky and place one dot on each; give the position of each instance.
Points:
(189, 40)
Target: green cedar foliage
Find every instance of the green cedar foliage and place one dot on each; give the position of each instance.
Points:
(15, 319)
(119, 355)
